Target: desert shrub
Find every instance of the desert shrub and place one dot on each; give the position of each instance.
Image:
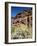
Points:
(21, 31)
(12, 29)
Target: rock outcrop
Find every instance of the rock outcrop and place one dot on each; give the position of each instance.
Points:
(25, 17)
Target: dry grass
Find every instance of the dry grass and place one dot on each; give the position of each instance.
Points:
(21, 31)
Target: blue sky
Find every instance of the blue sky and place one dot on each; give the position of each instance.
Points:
(15, 10)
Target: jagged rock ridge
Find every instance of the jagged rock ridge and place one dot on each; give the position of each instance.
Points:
(25, 17)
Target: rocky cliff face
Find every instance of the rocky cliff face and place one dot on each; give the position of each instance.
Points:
(25, 17)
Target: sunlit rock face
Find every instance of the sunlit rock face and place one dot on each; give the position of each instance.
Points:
(21, 25)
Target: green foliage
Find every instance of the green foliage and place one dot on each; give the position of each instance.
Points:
(21, 31)
(12, 29)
